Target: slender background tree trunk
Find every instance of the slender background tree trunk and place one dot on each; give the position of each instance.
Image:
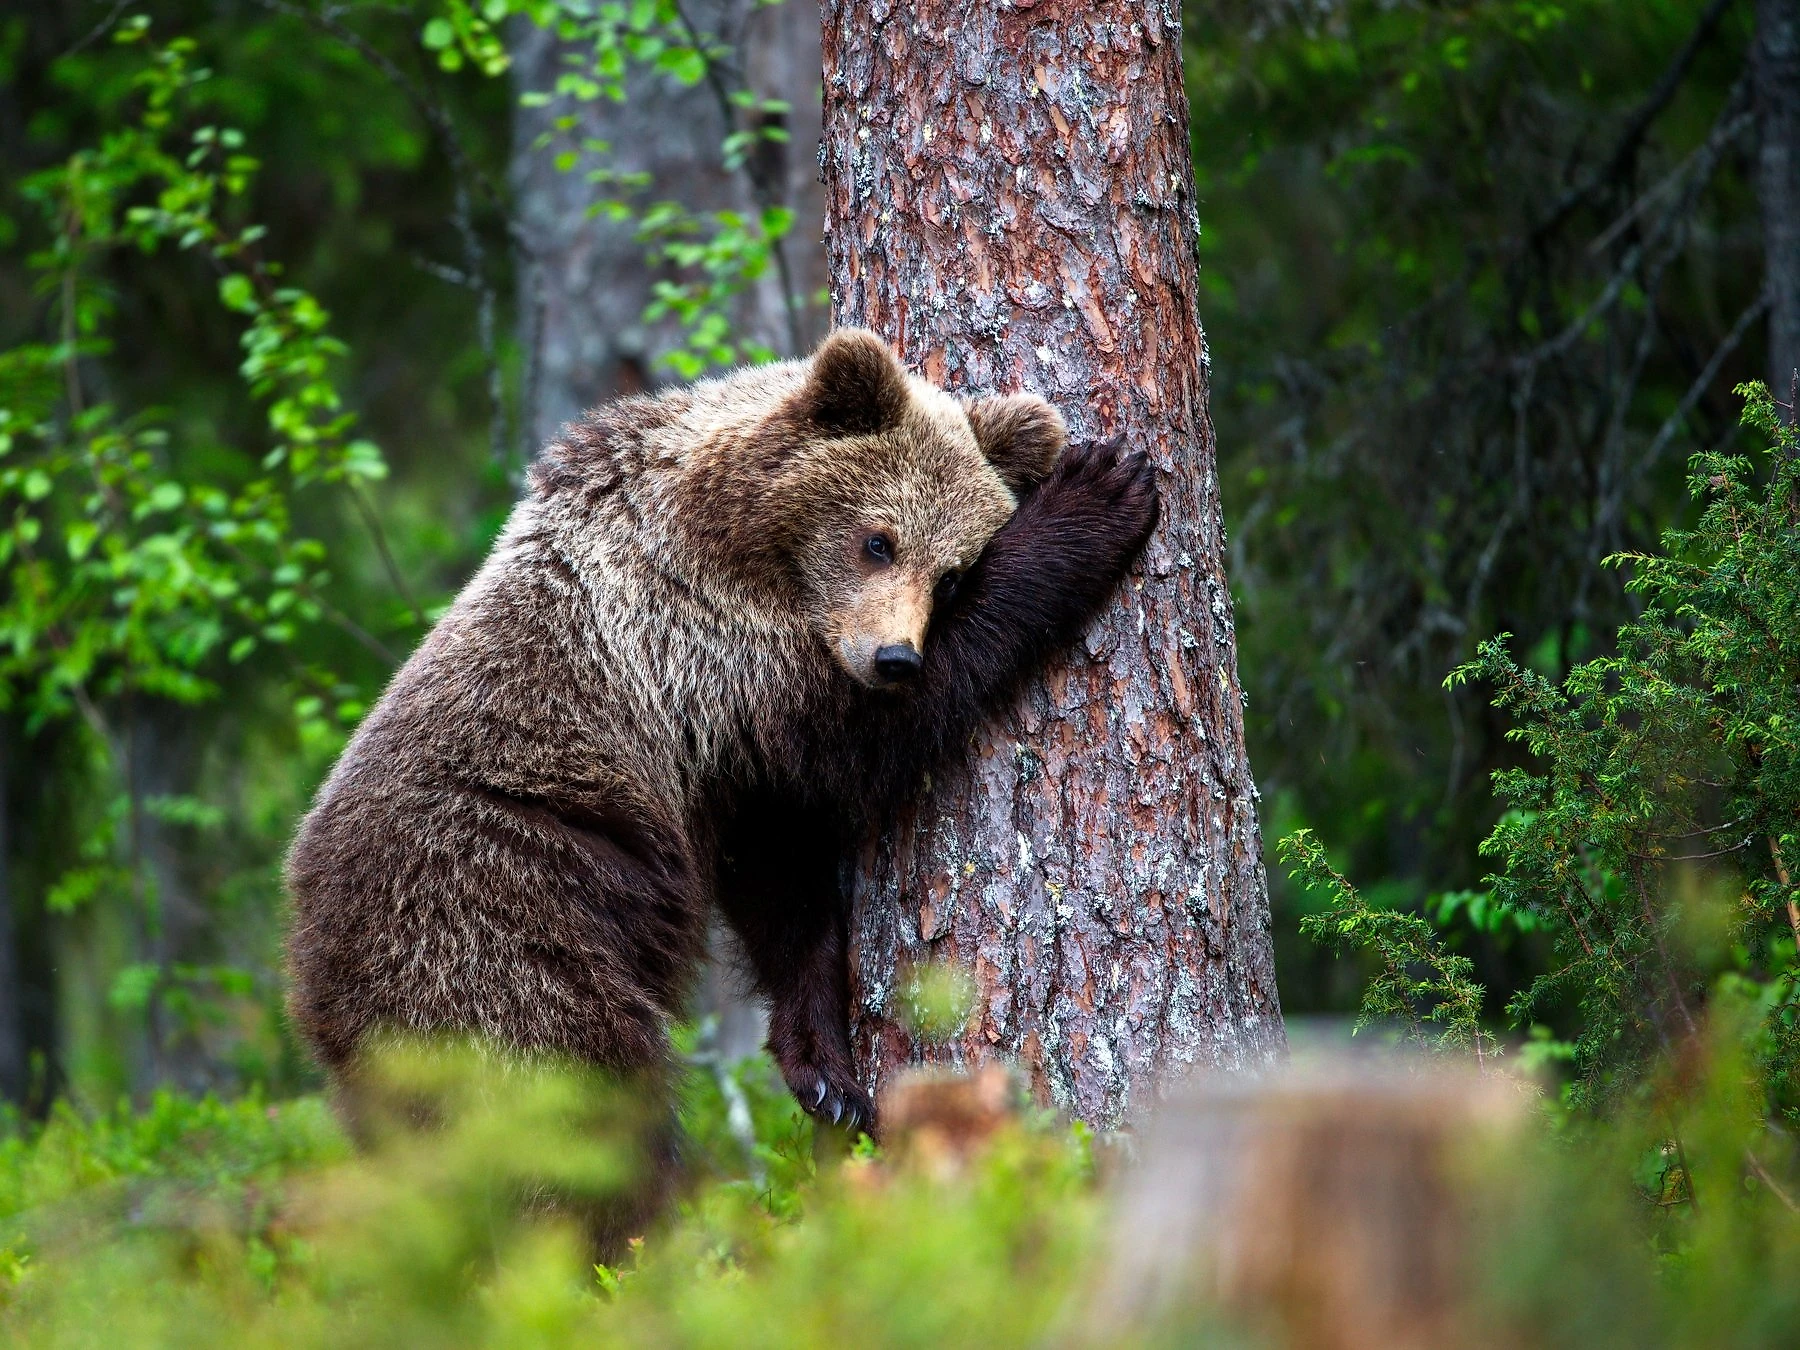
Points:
(1009, 199)
(12, 1025)
(1777, 82)
(586, 281)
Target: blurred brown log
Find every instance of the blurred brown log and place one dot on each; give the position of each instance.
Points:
(1330, 1207)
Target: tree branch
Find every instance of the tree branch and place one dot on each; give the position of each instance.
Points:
(1638, 125)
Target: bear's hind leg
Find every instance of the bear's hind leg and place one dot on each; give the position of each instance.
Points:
(778, 888)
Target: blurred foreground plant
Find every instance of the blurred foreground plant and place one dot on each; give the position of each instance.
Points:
(1322, 1207)
(460, 1227)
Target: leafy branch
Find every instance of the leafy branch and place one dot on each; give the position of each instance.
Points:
(127, 580)
(1420, 985)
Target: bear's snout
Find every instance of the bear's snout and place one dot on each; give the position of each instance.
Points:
(898, 663)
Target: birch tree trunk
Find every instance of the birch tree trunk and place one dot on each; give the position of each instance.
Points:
(1009, 200)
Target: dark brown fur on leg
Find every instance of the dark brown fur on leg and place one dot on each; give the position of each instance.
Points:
(778, 888)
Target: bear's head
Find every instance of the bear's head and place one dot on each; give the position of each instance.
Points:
(891, 488)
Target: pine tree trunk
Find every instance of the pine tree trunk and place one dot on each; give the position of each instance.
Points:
(1009, 200)
(1777, 83)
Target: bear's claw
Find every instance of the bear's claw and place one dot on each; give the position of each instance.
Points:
(845, 1104)
(1107, 489)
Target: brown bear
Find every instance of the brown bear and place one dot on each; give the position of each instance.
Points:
(728, 629)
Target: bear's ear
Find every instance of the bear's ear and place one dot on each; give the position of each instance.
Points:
(1021, 435)
(857, 385)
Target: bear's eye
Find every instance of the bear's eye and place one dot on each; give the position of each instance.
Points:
(946, 586)
(879, 548)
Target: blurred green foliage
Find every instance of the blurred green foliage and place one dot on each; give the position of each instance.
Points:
(1478, 279)
(245, 1224)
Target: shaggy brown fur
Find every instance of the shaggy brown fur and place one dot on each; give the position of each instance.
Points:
(685, 678)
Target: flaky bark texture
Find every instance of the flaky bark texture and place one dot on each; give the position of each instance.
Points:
(1009, 201)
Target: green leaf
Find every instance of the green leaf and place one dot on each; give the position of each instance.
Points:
(362, 459)
(236, 293)
(75, 888)
(133, 986)
(79, 537)
(685, 64)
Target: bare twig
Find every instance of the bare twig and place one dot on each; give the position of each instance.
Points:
(1698, 830)
(100, 29)
(369, 642)
(1638, 125)
(1762, 1175)
(1672, 179)
(1693, 857)
(372, 521)
(533, 309)
(1704, 381)
(1781, 875)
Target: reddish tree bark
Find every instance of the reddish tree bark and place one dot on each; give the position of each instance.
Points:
(1009, 200)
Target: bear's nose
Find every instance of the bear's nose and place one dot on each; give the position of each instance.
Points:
(898, 662)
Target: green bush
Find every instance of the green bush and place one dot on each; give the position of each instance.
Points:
(199, 1223)
(1654, 836)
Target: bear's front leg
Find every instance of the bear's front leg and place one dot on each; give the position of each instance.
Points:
(1036, 586)
(778, 888)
